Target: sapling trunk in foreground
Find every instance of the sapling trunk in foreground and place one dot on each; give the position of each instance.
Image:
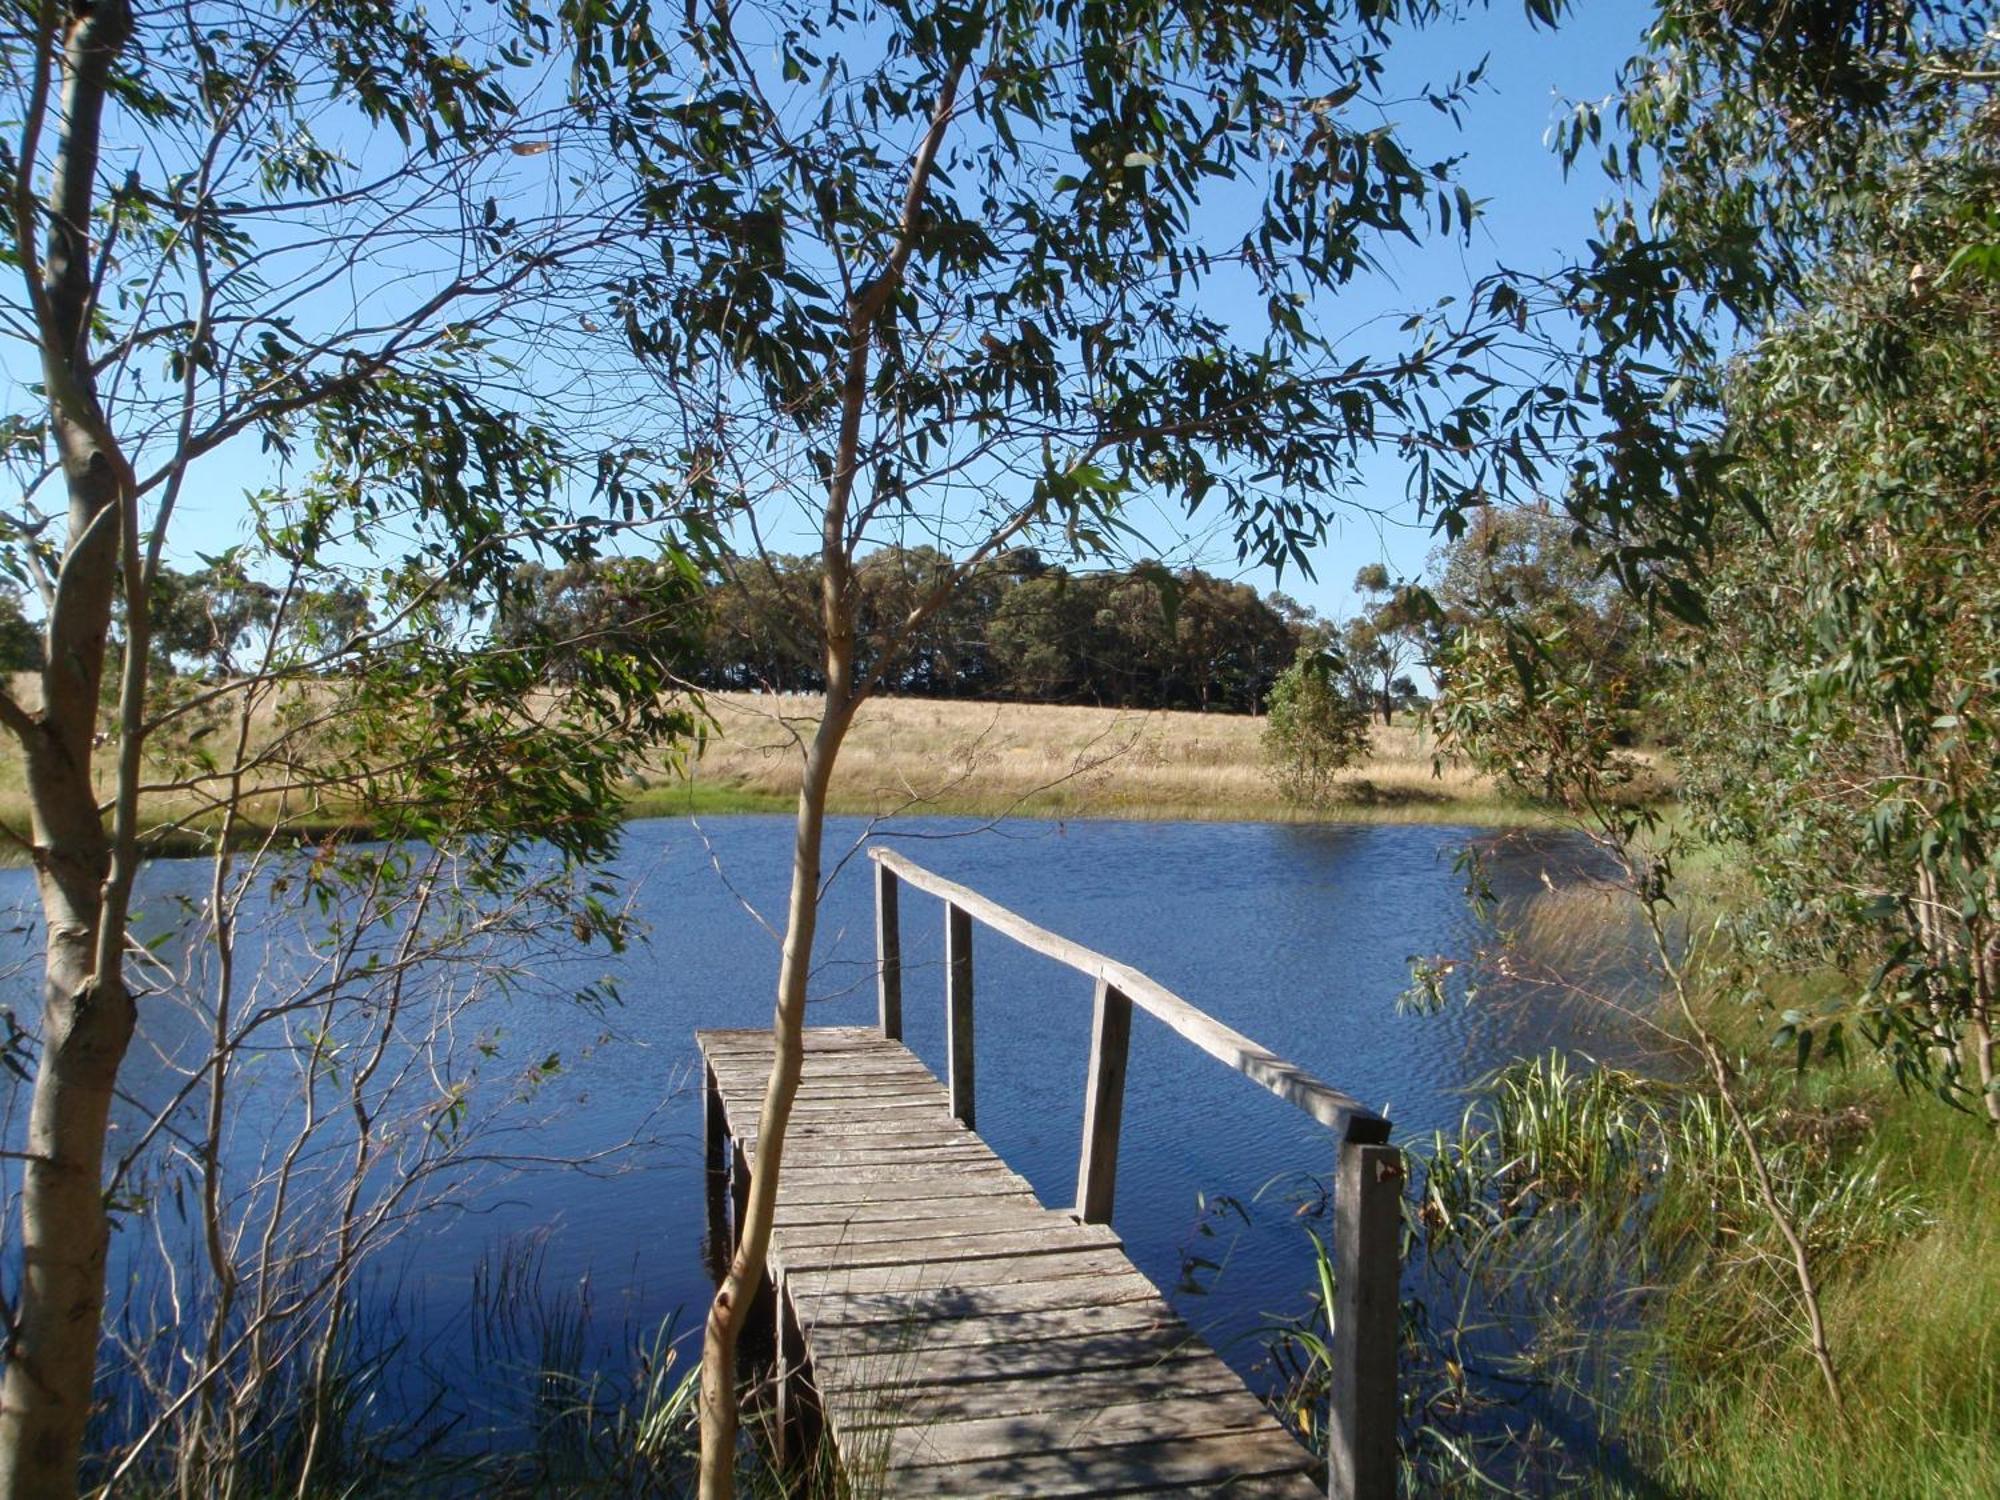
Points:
(726, 1314)
(843, 696)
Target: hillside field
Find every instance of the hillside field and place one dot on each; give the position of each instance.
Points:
(911, 755)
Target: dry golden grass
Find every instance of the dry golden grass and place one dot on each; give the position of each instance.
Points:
(908, 755)
(181, 817)
(990, 759)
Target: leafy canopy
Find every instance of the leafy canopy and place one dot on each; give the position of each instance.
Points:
(1107, 286)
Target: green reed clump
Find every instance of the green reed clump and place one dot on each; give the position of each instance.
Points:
(1912, 1315)
(534, 1415)
(1596, 1264)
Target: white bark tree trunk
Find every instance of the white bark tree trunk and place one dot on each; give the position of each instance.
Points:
(83, 882)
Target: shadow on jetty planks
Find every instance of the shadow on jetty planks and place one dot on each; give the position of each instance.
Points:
(962, 1338)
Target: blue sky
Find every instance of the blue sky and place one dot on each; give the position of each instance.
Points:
(1532, 217)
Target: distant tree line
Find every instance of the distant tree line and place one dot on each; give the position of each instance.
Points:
(212, 620)
(1024, 628)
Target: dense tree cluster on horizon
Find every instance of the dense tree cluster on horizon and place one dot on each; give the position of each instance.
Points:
(1022, 628)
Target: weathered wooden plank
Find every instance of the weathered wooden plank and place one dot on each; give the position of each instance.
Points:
(860, 1088)
(941, 1155)
(755, 1049)
(860, 1062)
(1190, 1373)
(857, 1073)
(938, 1254)
(940, 1205)
(1014, 1312)
(854, 1186)
(859, 1194)
(1260, 1463)
(886, 1092)
(867, 1136)
(1119, 1348)
(800, 1170)
(972, 1310)
(869, 1127)
(919, 1239)
(749, 1049)
(905, 1137)
(861, 1225)
(946, 1238)
(817, 1038)
(933, 1350)
(1129, 1421)
(850, 1282)
(1097, 1261)
(801, 1167)
(748, 1092)
(958, 1012)
(824, 1124)
(1103, 1104)
(910, 1108)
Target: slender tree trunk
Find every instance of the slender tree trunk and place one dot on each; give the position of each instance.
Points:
(87, 1022)
(87, 1011)
(1780, 1215)
(838, 615)
(726, 1314)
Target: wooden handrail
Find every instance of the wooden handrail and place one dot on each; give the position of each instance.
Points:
(1340, 1112)
(1368, 1192)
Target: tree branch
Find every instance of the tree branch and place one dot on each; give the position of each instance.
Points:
(14, 716)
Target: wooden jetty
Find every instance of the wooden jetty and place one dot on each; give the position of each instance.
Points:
(955, 1336)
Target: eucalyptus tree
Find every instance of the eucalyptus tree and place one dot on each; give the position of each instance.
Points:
(1315, 728)
(1387, 638)
(1788, 320)
(344, 256)
(1749, 149)
(973, 276)
(1862, 621)
(1791, 395)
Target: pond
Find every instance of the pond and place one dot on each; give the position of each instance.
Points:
(1300, 936)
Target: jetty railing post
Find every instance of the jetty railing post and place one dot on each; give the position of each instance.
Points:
(797, 1415)
(958, 1009)
(715, 1171)
(758, 1325)
(1367, 1240)
(888, 954)
(1103, 1104)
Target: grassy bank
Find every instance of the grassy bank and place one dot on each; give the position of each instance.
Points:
(1648, 1296)
(1910, 1315)
(909, 755)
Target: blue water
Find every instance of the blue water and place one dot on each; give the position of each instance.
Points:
(1299, 936)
